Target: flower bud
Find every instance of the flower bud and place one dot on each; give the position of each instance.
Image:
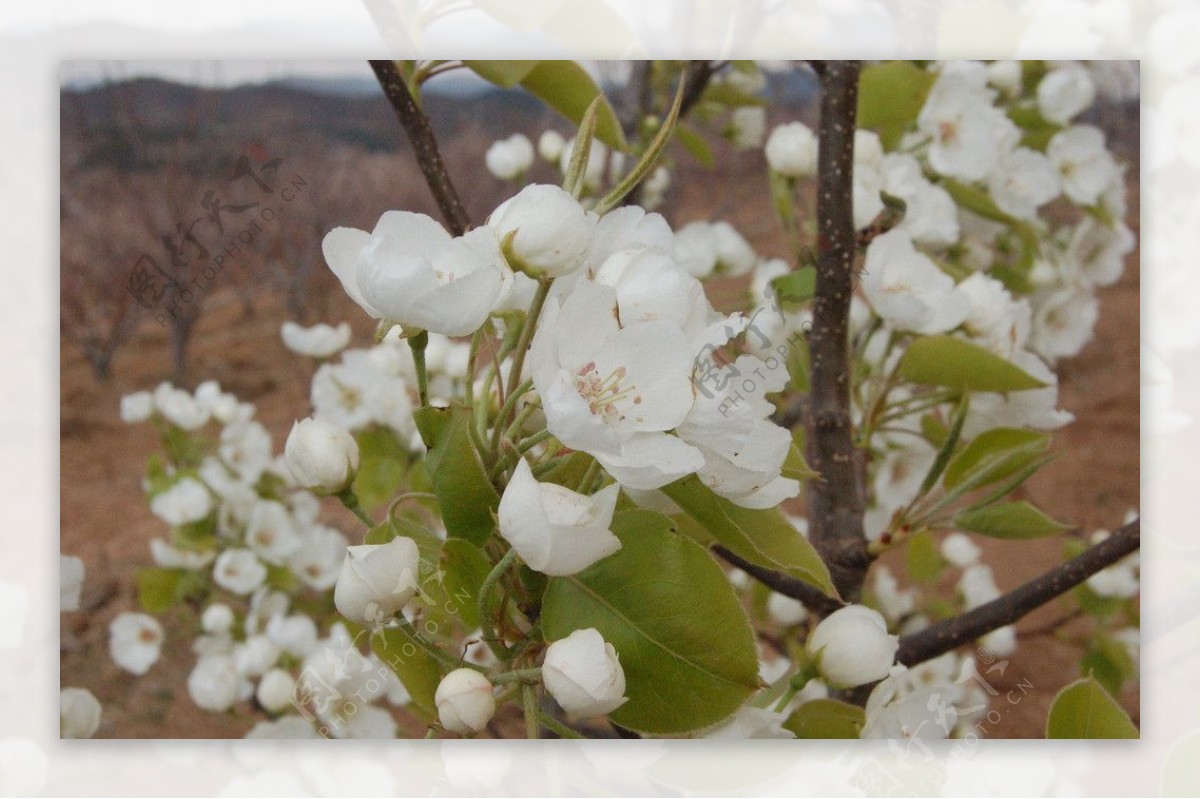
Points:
(508, 158)
(551, 145)
(543, 230)
(214, 683)
(217, 618)
(555, 530)
(584, 675)
(377, 580)
(275, 690)
(79, 713)
(465, 701)
(852, 647)
(792, 150)
(321, 455)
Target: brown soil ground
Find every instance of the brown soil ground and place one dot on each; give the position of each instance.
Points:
(106, 522)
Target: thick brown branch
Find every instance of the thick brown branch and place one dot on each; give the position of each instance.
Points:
(420, 134)
(809, 596)
(951, 633)
(836, 501)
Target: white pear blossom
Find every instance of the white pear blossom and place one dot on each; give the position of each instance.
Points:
(1036, 408)
(369, 723)
(785, 611)
(930, 215)
(545, 229)
(960, 550)
(852, 646)
(550, 145)
(695, 249)
(377, 580)
(319, 341)
(321, 455)
(977, 586)
(239, 571)
(410, 270)
(593, 171)
(217, 618)
(751, 722)
(510, 158)
(1085, 166)
(735, 256)
(899, 709)
(1005, 76)
(180, 408)
(1063, 322)
(70, 582)
(868, 177)
(583, 673)
(275, 690)
(894, 603)
(271, 532)
(748, 126)
(214, 684)
(185, 502)
(135, 641)
(1119, 581)
(465, 702)
(791, 150)
(170, 557)
(78, 713)
(614, 388)
(1002, 641)
(555, 530)
(137, 407)
(968, 133)
(284, 728)
(319, 557)
(246, 449)
(908, 290)
(1022, 182)
(1065, 92)
(996, 320)
(295, 634)
(1098, 251)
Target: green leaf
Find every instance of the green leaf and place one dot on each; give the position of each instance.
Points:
(465, 495)
(1092, 603)
(727, 94)
(826, 718)
(946, 450)
(794, 465)
(382, 466)
(795, 288)
(934, 431)
(664, 604)
(923, 559)
(504, 74)
(581, 150)
(763, 537)
(890, 96)
(569, 474)
(569, 89)
(1085, 710)
(464, 567)
(417, 669)
(160, 589)
(958, 364)
(649, 157)
(695, 144)
(994, 455)
(1012, 520)
(1108, 661)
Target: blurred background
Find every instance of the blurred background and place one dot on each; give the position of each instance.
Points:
(165, 165)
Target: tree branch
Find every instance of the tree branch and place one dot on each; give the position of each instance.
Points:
(420, 134)
(951, 633)
(836, 500)
(809, 596)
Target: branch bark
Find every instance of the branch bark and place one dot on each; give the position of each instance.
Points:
(420, 134)
(836, 500)
(806, 594)
(951, 633)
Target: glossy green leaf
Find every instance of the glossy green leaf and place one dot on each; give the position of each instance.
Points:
(683, 638)
(934, 431)
(727, 94)
(465, 495)
(923, 558)
(569, 89)
(569, 474)
(890, 96)
(1085, 710)
(763, 537)
(159, 589)
(1013, 520)
(462, 570)
(382, 466)
(695, 144)
(418, 670)
(958, 364)
(826, 718)
(504, 74)
(795, 288)
(994, 455)
(1108, 661)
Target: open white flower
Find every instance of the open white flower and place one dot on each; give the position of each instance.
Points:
(930, 215)
(180, 408)
(550, 145)
(908, 290)
(239, 571)
(545, 229)
(465, 702)
(968, 132)
(959, 549)
(999, 322)
(377, 580)
(271, 532)
(786, 611)
(900, 710)
(183, 503)
(135, 641)
(246, 449)
(747, 126)
(735, 256)
(791, 150)
(1063, 322)
(1036, 408)
(1098, 251)
(170, 557)
(1022, 182)
(613, 388)
(509, 158)
(852, 646)
(1084, 164)
(1065, 92)
(78, 713)
(319, 558)
(320, 455)
(275, 690)
(695, 249)
(410, 270)
(583, 673)
(137, 407)
(555, 530)
(217, 618)
(214, 684)
(319, 341)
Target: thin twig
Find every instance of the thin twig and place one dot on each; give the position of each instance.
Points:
(420, 134)
(836, 501)
(951, 633)
(806, 594)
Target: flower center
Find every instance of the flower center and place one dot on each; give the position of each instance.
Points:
(603, 393)
(948, 132)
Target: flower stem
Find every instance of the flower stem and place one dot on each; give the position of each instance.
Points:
(529, 704)
(531, 319)
(350, 501)
(418, 343)
(485, 591)
(520, 675)
(510, 403)
(556, 726)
